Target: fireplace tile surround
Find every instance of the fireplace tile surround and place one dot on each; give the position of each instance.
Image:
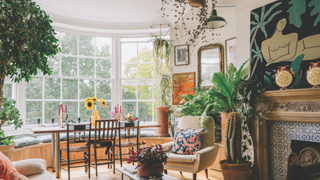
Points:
(280, 134)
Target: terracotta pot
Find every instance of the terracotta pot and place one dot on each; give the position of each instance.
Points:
(235, 171)
(196, 3)
(224, 117)
(7, 149)
(162, 119)
(152, 170)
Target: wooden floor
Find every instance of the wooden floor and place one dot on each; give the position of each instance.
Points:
(105, 173)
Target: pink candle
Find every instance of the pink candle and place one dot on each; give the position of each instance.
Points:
(120, 109)
(66, 108)
(115, 109)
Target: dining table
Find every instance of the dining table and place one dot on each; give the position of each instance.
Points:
(56, 142)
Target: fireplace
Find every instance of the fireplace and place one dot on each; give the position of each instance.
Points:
(291, 116)
(304, 161)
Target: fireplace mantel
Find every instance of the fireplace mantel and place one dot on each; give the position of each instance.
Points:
(298, 105)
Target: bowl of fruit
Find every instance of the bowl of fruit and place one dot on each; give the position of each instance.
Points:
(130, 118)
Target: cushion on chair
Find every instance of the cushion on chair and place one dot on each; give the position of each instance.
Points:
(148, 134)
(30, 166)
(46, 175)
(25, 141)
(172, 157)
(187, 141)
(45, 138)
(76, 149)
(8, 172)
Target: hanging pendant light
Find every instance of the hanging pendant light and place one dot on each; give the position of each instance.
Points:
(214, 21)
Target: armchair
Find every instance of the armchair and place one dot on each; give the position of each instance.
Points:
(203, 158)
(34, 169)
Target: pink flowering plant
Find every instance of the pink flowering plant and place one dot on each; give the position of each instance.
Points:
(149, 155)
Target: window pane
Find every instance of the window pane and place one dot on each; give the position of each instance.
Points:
(69, 66)
(72, 110)
(129, 89)
(86, 88)
(7, 91)
(129, 107)
(145, 52)
(145, 70)
(129, 71)
(145, 111)
(51, 109)
(104, 89)
(52, 88)
(33, 111)
(69, 44)
(84, 113)
(86, 45)
(129, 52)
(103, 46)
(69, 89)
(145, 92)
(103, 68)
(104, 111)
(54, 63)
(34, 88)
(86, 67)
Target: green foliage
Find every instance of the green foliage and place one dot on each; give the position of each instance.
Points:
(295, 11)
(269, 85)
(9, 113)
(233, 139)
(6, 140)
(316, 10)
(165, 89)
(296, 68)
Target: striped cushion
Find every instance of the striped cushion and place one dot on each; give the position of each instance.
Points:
(187, 141)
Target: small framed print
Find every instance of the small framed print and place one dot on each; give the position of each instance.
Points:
(231, 49)
(181, 55)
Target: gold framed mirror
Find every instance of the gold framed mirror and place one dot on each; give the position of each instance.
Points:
(210, 60)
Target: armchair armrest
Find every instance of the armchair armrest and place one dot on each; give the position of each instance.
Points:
(30, 166)
(168, 144)
(206, 157)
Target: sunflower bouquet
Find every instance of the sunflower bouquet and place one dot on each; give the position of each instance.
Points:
(92, 102)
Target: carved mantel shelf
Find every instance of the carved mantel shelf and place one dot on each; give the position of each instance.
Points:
(302, 105)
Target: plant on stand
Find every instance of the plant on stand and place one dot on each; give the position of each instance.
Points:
(163, 79)
(150, 160)
(91, 104)
(9, 115)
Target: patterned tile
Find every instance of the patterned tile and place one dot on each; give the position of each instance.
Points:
(280, 134)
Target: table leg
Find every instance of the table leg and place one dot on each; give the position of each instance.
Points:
(57, 157)
(53, 152)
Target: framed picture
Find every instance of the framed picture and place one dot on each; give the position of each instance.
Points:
(231, 52)
(181, 55)
(183, 83)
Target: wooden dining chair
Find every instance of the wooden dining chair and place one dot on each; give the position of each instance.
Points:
(105, 132)
(77, 133)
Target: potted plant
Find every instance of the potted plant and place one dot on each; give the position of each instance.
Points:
(150, 160)
(8, 114)
(163, 89)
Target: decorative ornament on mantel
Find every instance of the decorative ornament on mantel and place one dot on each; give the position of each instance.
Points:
(313, 74)
(285, 77)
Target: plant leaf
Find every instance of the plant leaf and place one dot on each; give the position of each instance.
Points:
(295, 11)
(316, 10)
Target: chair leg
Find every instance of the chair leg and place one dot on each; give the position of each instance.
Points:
(113, 160)
(95, 160)
(89, 164)
(165, 171)
(85, 162)
(180, 173)
(108, 159)
(206, 171)
(120, 154)
(68, 165)
(194, 176)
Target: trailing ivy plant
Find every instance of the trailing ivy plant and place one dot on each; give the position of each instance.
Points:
(27, 40)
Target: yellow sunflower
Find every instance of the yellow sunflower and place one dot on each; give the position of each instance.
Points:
(89, 104)
(103, 102)
(94, 99)
(87, 99)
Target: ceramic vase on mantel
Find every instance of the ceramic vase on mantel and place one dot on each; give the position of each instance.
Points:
(95, 116)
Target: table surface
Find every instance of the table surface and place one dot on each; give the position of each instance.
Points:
(135, 176)
(39, 130)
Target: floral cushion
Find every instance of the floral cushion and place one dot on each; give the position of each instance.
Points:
(187, 141)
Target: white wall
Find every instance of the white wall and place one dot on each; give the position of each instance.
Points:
(226, 32)
(243, 9)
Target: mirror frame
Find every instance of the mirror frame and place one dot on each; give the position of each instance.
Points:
(221, 56)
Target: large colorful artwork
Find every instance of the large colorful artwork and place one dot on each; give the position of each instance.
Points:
(285, 33)
(183, 83)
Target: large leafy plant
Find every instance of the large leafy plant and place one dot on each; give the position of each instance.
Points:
(6, 140)
(27, 40)
(9, 113)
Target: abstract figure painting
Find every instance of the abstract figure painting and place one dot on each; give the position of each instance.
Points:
(285, 33)
(183, 83)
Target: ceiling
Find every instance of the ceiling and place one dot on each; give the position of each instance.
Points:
(109, 14)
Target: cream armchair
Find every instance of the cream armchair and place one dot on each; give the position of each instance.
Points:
(204, 158)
